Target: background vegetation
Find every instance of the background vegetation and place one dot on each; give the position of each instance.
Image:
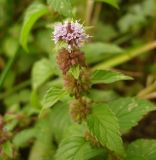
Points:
(124, 34)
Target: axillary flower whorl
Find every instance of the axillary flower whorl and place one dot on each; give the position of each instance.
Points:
(73, 33)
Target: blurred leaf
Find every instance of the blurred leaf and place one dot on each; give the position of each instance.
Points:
(11, 125)
(141, 150)
(43, 148)
(24, 95)
(76, 148)
(126, 56)
(35, 103)
(7, 149)
(41, 72)
(97, 51)
(61, 6)
(102, 95)
(10, 46)
(130, 111)
(113, 3)
(43, 41)
(108, 32)
(33, 13)
(137, 16)
(104, 76)
(103, 124)
(52, 96)
(24, 136)
(60, 120)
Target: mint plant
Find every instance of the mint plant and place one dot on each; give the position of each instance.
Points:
(76, 104)
(96, 126)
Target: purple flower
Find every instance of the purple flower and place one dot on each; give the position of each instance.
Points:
(71, 32)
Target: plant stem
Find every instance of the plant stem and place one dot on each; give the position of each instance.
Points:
(124, 57)
(90, 6)
(147, 90)
(7, 69)
(96, 13)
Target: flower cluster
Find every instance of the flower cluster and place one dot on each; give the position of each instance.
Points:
(72, 33)
(80, 108)
(77, 86)
(66, 60)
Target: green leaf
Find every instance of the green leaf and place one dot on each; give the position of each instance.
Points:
(24, 136)
(60, 120)
(53, 95)
(98, 51)
(75, 71)
(7, 149)
(103, 124)
(76, 148)
(33, 13)
(41, 72)
(113, 3)
(105, 76)
(142, 150)
(10, 46)
(61, 6)
(102, 95)
(43, 148)
(129, 111)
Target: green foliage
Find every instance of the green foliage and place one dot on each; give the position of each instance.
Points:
(10, 46)
(62, 6)
(76, 148)
(130, 111)
(60, 120)
(114, 3)
(98, 51)
(7, 149)
(141, 149)
(75, 71)
(24, 136)
(33, 13)
(42, 71)
(52, 96)
(104, 76)
(30, 84)
(104, 126)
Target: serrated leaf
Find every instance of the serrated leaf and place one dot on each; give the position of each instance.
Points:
(105, 76)
(142, 150)
(129, 111)
(103, 124)
(52, 96)
(98, 51)
(61, 6)
(113, 3)
(76, 148)
(42, 71)
(33, 13)
(24, 136)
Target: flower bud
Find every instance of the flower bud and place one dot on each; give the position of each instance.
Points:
(80, 108)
